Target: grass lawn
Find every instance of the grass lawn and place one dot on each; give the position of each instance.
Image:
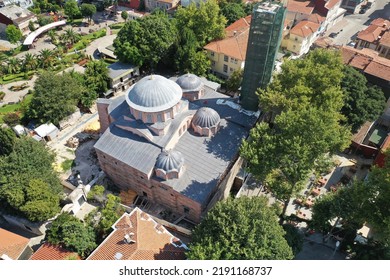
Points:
(14, 107)
(86, 39)
(67, 164)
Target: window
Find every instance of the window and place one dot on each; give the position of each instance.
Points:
(226, 58)
(232, 59)
(149, 118)
(225, 68)
(296, 38)
(140, 115)
(212, 63)
(186, 209)
(212, 53)
(159, 118)
(167, 115)
(231, 69)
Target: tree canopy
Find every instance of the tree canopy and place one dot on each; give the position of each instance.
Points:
(96, 79)
(240, 229)
(71, 9)
(72, 233)
(13, 34)
(88, 10)
(54, 99)
(361, 102)
(145, 41)
(305, 101)
(206, 21)
(233, 12)
(28, 184)
(7, 141)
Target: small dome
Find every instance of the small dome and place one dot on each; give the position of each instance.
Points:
(153, 93)
(189, 82)
(169, 161)
(206, 117)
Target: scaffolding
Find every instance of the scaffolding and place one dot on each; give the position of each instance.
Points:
(265, 35)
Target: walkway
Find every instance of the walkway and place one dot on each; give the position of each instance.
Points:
(16, 96)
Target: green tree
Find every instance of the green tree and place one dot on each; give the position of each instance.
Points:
(72, 233)
(30, 62)
(145, 41)
(13, 65)
(240, 229)
(70, 36)
(235, 80)
(233, 12)
(71, 9)
(304, 102)
(13, 34)
(124, 15)
(96, 77)
(110, 213)
(34, 199)
(88, 10)
(361, 103)
(46, 58)
(54, 99)
(294, 238)
(206, 21)
(7, 141)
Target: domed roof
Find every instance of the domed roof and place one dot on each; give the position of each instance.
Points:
(189, 82)
(169, 161)
(206, 117)
(154, 94)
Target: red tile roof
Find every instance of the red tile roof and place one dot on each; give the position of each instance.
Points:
(381, 22)
(12, 244)
(53, 252)
(238, 26)
(331, 3)
(304, 7)
(368, 61)
(385, 40)
(371, 33)
(305, 28)
(236, 42)
(317, 18)
(150, 240)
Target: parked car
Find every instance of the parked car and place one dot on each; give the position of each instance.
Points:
(333, 35)
(351, 44)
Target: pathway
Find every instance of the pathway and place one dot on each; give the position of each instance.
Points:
(16, 96)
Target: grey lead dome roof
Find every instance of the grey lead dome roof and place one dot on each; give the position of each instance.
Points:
(189, 82)
(153, 93)
(206, 117)
(169, 161)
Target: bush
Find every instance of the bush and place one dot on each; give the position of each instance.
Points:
(44, 20)
(12, 118)
(2, 94)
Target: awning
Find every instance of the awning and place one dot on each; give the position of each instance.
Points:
(30, 38)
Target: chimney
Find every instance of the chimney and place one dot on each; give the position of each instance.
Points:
(234, 33)
(127, 238)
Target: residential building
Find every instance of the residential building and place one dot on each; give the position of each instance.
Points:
(368, 61)
(132, 4)
(263, 44)
(25, 4)
(168, 151)
(14, 246)
(299, 10)
(49, 251)
(301, 37)
(352, 6)
(137, 236)
(164, 5)
(331, 10)
(122, 76)
(228, 54)
(17, 16)
(376, 37)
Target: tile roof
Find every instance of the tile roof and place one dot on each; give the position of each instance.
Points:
(53, 252)
(305, 28)
(236, 41)
(149, 240)
(317, 18)
(304, 7)
(331, 3)
(239, 25)
(368, 61)
(12, 244)
(385, 40)
(381, 22)
(371, 33)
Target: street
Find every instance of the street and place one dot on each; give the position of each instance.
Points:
(352, 24)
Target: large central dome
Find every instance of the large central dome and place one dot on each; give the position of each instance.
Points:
(154, 94)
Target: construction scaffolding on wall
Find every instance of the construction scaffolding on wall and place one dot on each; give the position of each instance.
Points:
(264, 40)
